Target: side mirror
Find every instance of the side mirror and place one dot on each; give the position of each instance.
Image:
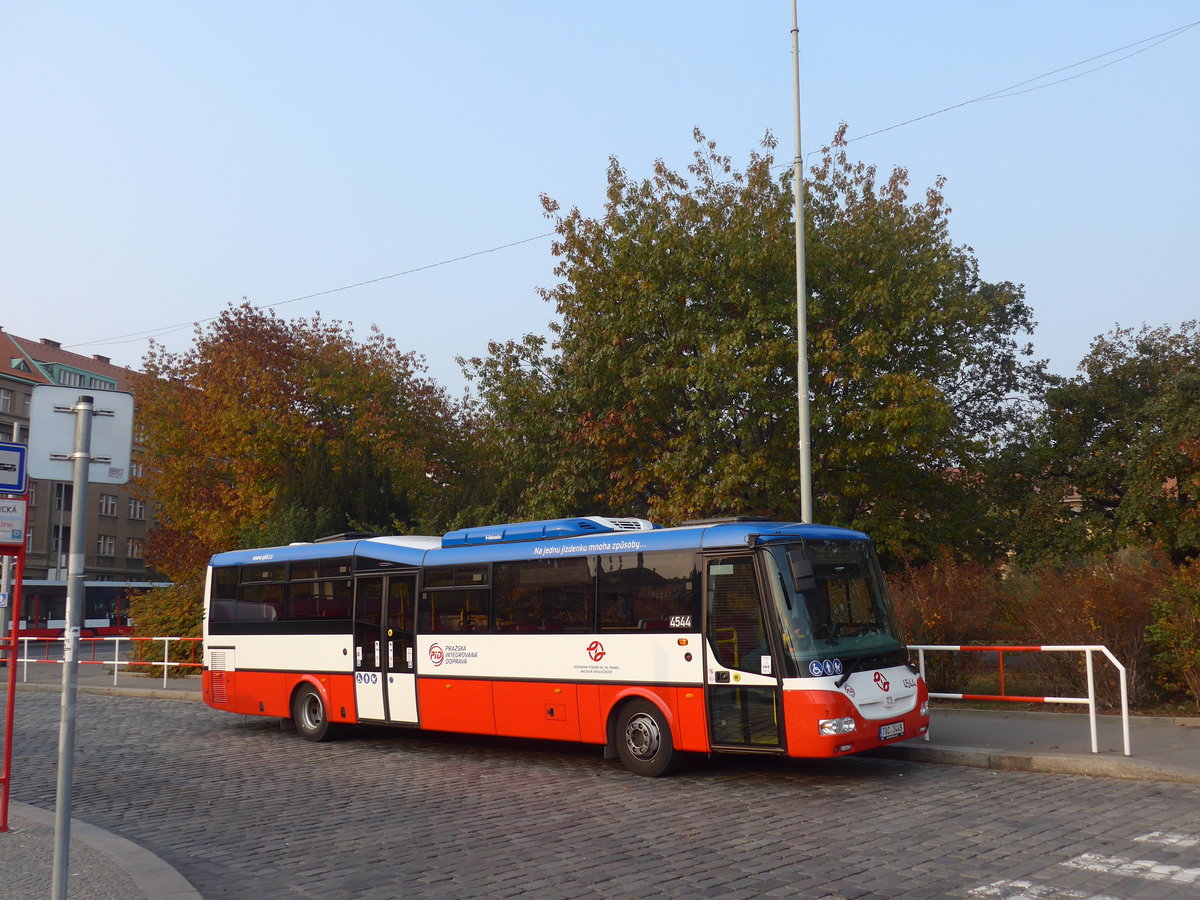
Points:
(803, 578)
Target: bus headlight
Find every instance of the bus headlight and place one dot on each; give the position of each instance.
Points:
(836, 726)
(924, 711)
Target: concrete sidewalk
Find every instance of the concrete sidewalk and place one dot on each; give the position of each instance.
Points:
(101, 865)
(104, 865)
(1162, 749)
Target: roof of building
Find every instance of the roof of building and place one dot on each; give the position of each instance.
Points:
(28, 360)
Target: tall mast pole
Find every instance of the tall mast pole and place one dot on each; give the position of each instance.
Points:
(805, 445)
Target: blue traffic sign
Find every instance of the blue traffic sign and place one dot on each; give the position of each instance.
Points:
(14, 478)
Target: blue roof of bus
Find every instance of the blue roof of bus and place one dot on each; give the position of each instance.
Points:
(416, 551)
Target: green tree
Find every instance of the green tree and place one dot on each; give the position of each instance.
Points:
(267, 431)
(1125, 434)
(918, 369)
(670, 388)
(507, 464)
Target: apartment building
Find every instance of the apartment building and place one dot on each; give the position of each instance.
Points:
(116, 519)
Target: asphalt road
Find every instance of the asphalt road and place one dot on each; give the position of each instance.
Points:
(245, 810)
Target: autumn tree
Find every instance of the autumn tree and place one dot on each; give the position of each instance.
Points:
(267, 431)
(670, 387)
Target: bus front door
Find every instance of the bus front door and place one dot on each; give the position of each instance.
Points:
(384, 681)
(743, 684)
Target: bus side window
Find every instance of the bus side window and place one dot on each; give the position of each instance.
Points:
(455, 611)
(649, 591)
(301, 602)
(334, 599)
(259, 602)
(552, 595)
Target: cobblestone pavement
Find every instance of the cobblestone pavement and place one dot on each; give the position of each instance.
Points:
(243, 809)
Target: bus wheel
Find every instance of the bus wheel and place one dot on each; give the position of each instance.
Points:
(644, 739)
(309, 714)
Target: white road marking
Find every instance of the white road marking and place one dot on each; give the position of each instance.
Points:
(1120, 866)
(1169, 838)
(1146, 869)
(1027, 890)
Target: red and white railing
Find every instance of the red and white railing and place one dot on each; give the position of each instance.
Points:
(1089, 700)
(42, 650)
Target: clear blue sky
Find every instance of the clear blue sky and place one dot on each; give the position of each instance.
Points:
(160, 159)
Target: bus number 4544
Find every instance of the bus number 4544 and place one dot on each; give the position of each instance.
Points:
(681, 621)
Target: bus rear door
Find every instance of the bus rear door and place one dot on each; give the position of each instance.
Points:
(384, 681)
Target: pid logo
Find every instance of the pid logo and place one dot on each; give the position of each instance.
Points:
(596, 651)
(436, 654)
(884, 684)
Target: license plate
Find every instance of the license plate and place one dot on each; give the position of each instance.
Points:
(891, 730)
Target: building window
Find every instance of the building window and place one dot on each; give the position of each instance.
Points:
(101, 384)
(60, 540)
(29, 539)
(106, 545)
(63, 493)
(71, 379)
(133, 548)
(137, 509)
(32, 493)
(5, 400)
(108, 504)
(135, 470)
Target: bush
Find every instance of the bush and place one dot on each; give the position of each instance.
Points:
(950, 601)
(1109, 601)
(1104, 600)
(1175, 632)
(174, 611)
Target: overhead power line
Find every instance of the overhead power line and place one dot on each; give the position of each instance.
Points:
(135, 336)
(1012, 90)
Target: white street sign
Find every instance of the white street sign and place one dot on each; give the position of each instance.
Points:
(12, 521)
(52, 434)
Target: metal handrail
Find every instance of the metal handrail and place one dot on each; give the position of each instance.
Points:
(1089, 700)
(116, 661)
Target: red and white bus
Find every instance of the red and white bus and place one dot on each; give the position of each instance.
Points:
(735, 635)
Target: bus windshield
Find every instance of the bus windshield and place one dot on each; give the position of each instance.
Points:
(841, 614)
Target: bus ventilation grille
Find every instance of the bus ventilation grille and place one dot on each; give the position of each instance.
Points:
(220, 678)
(629, 524)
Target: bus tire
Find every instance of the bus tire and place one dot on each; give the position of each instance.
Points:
(309, 714)
(643, 739)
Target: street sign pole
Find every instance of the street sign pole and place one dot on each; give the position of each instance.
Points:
(66, 732)
(108, 428)
(10, 639)
(5, 582)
